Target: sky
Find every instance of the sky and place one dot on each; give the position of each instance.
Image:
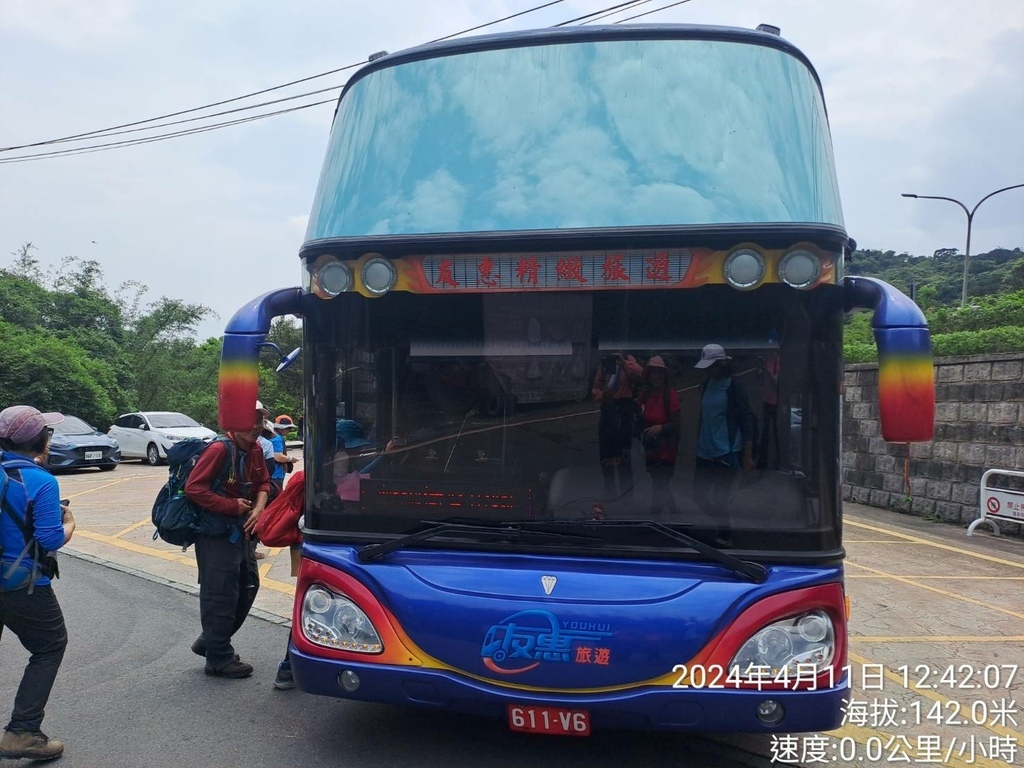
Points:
(923, 96)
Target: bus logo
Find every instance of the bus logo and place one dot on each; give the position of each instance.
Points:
(520, 642)
(548, 582)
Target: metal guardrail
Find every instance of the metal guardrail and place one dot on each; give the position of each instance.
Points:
(999, 503)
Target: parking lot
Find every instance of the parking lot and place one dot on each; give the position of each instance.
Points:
(936, 626)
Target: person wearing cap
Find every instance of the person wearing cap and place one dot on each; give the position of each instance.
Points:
(725, 436)
(280, 463)
(350, 442)
(228, 576)
(659, 415)
(33, 523)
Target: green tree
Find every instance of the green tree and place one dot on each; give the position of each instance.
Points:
(282, 392)
(43, 370)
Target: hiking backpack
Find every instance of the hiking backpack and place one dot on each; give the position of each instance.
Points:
(175, 516)
(44, 563)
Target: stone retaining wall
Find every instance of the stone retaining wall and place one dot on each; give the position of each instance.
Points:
(979, 407)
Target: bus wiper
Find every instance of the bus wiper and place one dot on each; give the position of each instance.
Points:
(439, 528)
(753, 571)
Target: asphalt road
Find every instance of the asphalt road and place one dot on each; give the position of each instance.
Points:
(933, 613)
(131, 694)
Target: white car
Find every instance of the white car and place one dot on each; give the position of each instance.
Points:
(147, 435)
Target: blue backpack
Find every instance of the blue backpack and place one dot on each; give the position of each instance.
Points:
(44, 563)
(175, 516)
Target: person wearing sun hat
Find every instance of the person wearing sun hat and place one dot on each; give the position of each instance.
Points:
(725, 436)
(28, 605)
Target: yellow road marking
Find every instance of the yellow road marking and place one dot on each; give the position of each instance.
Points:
(101, 487)
(930, 694)
(278, 586)
(944, 592)
(937, 639)
(958, 578)
(131, 528)
(273, 584)
(947, 547)
(137, 548)
(873, 541)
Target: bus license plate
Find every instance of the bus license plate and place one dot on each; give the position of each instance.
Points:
(93, 455)
(552, 720)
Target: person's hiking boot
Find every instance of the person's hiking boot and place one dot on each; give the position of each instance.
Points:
(284, 680)
(29, 745)
(234, 670)
(199, 649)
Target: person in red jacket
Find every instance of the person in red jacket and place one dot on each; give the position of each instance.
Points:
(225, 551)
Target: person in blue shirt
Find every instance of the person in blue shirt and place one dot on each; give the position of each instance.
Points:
(33, 524)
(725, 438)
(280, 463)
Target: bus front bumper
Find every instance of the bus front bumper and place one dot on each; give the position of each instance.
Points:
(724, 710)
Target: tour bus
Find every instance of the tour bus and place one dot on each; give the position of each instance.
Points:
(506, 229)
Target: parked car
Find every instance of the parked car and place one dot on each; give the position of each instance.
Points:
(147, 435)
(77, 444)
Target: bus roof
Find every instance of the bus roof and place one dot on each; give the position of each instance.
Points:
(558, 35)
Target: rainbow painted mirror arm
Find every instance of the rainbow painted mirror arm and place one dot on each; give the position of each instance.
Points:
(238, 388)
(906, 378)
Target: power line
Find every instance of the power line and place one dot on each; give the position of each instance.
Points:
(160, 137)
(648, 13)
(175, 114)
(497, 21)
(635, 4)
(107, 132)
(595, 13)
(254, 93)
(212, 115)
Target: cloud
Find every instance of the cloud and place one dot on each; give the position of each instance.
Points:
(69, 24)
(923, 96)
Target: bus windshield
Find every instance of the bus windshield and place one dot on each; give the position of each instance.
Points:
(495, 407)
(677, 131)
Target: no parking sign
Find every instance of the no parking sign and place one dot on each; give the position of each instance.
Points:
(999, 503)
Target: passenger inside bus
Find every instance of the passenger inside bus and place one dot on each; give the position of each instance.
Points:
(490, 398)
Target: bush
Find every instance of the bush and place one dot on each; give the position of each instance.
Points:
(1003, 339)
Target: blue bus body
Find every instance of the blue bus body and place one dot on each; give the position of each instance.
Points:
(480, 648)
(507, 230)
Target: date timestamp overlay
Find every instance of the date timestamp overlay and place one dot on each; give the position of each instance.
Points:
(937, 730)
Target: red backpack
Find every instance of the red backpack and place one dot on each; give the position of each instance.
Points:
(278, 526)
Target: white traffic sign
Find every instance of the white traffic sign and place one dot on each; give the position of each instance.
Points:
(999, 503)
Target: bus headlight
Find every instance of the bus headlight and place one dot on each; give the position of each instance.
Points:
(327, 277)
(744, 269)
(334, 621)
(332, 279)
(800, 647)
(799, 269)
(379, 275)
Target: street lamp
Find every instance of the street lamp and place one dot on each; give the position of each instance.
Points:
(970, 220)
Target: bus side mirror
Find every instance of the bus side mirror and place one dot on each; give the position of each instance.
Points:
(906, 375)
(287, 360)
(244, 336)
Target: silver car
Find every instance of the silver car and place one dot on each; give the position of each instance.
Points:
(147, 435)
